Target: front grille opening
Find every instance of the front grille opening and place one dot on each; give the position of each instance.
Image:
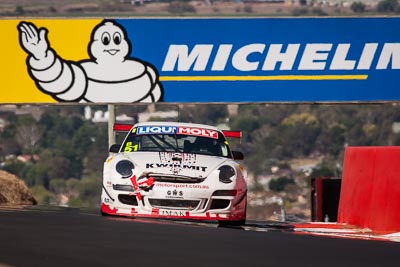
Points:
(123, 187)
(225, 193)
(218, 204)
(204, 205)
(174, 203)
(128, 200)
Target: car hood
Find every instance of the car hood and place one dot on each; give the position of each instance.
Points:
(170, 163)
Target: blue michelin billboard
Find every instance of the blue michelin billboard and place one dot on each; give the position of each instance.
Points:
(191, 60)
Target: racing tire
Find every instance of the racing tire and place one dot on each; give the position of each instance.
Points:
(231, 223)
(235, 223)
(104, 214)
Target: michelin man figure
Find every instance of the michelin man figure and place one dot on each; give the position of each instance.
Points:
(110, 75)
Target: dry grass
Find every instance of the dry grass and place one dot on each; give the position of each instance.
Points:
(13, 191)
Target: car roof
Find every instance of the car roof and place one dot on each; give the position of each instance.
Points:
(177, 124)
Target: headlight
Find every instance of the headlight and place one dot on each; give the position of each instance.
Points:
(125, 167)
(225, 173)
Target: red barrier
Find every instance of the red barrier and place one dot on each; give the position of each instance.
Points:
(370, 192)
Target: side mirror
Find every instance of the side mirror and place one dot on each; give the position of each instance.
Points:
(237, 155)
(115, 148)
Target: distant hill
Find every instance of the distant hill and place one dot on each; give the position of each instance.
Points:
(76, 8)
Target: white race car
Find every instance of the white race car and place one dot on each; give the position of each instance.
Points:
(175, 170)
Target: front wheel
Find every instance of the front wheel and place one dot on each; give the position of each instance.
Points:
(231, 223)
(104, 214)
(239, 222)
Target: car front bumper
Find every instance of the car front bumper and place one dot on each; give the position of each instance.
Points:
(177, 201)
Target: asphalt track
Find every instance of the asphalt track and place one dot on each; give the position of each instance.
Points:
(73, 237)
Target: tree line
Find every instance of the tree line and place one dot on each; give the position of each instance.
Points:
(67, 151)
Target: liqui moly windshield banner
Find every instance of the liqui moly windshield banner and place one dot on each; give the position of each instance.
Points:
(176, 130)
(194, 60)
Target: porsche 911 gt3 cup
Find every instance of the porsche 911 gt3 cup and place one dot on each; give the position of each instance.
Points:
(175, 170)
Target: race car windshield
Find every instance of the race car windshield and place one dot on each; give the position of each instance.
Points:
(177, 143)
